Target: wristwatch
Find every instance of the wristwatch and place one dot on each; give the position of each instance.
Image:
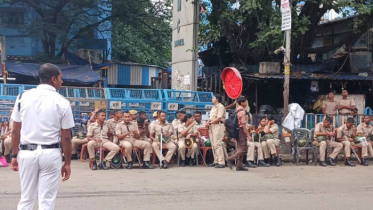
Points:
(14, 155)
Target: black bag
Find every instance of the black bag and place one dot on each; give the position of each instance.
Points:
(232, 126)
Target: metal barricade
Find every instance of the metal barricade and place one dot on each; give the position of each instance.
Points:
(147, 100)
(310, 120)
(183, 100)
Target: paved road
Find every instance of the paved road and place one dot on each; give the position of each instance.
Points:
(287, 187)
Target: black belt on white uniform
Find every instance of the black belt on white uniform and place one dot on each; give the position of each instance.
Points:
(35, 146)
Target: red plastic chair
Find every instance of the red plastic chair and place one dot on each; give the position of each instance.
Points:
(83, 152)
(205, 132)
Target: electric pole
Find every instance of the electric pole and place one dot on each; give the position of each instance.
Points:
(287, 72)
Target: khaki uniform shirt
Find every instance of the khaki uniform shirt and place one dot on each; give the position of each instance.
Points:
(275, 130)
(123, 128)
(134, 122)
(94, 131)
(346, 102)
(364, 129)
(167, 128)
(344, 131)
(142, 131)
(320, 128)
(218, 111)
(153, 123)
(330, 106)
(112, 125)
(183, 127)
(175, 124)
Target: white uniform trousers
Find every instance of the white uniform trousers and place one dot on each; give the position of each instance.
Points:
(39, 172)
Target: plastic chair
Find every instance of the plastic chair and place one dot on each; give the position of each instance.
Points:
(359, 149)
(205, 132)
(298, 133)
(164, 147)
(83, 152)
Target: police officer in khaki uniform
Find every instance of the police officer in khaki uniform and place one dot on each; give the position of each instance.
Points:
(366, 129)
(272, 128)
(325, 129)
(346, 105)
(167, 133)
(98, 134)
(155, 120)
(177, 121)
(129, 137)
(186, 131)
(133, 116)
(217, 129)
(329, 106)
(251, 152)
(346, 135)
(113, 122)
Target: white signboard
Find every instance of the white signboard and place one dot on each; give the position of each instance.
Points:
(83, 103)
(124, 105)
(115, 105)
(286, 15)
(156, 106)
(173, 107)
(133, 104)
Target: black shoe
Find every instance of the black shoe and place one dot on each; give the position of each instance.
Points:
(213, 165)
(94, 165)
(7, 158)
(250, 164)
(187, 161)
(220, 166)
(146, 165)
(229, 163)
(278, 161)
(266, 161)
(192, 162)
(322, 163)
(74, 157)
(263, 164)
(241, 169)
(364, 162)
(165, 164)
(330, 162)
(182, 163)
(129, 165)
(103, 166)
(349, 163)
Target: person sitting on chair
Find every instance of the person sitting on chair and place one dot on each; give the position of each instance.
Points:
(186, 131)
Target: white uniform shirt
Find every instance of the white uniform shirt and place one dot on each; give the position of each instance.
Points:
(43, 113)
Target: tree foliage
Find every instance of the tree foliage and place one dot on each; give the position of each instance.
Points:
(145, 40)
(60, 23)
(249, 31)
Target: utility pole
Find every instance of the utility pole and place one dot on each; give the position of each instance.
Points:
(286, 26)
(287, 72)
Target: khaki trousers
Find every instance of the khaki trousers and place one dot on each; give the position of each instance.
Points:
(347, 145)
(150, 142)
(251, 151)
(113, 148)
(241, 148)
(216, 136)
(337, 147)
(75, 143)
(7, 145)
(272, 144)
(171, 146)
(128, 147)
(191, 152)
(370, 149)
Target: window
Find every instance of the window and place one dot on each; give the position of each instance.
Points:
(12, 17)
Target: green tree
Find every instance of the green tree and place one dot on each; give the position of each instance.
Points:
(250, 32)
(145, 40)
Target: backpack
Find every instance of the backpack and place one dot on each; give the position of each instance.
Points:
(232, 126)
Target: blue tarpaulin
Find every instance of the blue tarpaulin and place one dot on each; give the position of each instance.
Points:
(71, 73)
(76, 60)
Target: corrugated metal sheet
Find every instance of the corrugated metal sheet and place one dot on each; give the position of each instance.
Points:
(136, 72)
(145, 76)
(124, 75)
(113, 75)
(152, 73)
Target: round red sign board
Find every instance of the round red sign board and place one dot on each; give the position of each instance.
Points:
(232, 81)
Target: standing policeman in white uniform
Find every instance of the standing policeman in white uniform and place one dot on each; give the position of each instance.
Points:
(39, 116)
